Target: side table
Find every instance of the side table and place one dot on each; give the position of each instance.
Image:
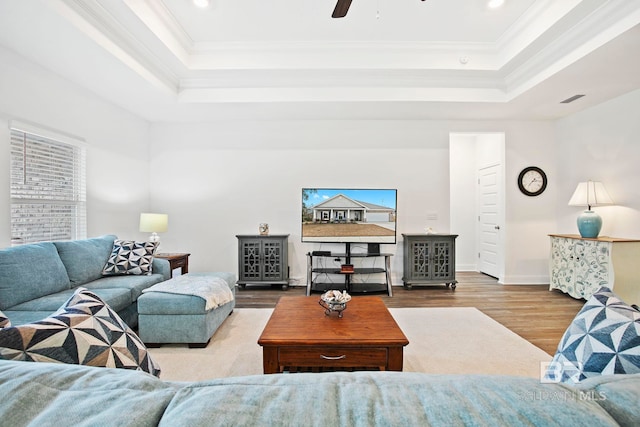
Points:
(176, 261)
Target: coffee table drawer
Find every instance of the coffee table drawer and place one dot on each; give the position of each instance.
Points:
(332, 357)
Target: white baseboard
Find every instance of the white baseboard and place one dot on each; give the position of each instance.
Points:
(525, 280)
(508, 280)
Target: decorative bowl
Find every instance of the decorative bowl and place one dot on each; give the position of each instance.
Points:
(334, 302)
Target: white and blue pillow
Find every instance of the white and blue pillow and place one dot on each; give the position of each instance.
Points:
(604, 338)
(4, 321)
(84, 331)
(130, 257)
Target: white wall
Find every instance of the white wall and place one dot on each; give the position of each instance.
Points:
(602, 144)
(463, 184)
(117, 145)
(213, 192)
(220, 179)
(529, 220)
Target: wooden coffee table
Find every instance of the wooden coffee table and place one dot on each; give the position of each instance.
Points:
(300, 337)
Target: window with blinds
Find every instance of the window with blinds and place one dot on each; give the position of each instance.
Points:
(48, 191)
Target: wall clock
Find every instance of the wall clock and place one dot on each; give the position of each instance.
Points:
(532, 181)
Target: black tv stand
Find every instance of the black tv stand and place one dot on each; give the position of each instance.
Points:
(319, 275)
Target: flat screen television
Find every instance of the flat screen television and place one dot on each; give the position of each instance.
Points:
(349, 215)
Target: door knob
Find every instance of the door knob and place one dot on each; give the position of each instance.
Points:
(497, 227)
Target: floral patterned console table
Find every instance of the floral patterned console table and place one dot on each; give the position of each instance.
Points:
(579, 266)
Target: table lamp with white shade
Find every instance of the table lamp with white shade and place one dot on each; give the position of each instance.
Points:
(590, 193)
(154, 223)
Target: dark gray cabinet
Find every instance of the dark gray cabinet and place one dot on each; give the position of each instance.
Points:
(263, 260)
(429, 259)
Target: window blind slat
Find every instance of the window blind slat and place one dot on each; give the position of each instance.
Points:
(48, 189)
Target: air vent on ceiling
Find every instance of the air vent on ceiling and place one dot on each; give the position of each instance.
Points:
(573, 98)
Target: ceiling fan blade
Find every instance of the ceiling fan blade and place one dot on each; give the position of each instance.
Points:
(342, 7)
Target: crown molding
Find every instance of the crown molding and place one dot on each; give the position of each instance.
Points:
(94, 20)
(343, 77)
(591, 31)
(548, 37)
(339, 94)
(164, 25)
(348, 55)
(532, 25)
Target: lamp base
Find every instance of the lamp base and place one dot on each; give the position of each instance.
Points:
(589, 224)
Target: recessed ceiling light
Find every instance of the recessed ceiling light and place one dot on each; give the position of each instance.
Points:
(495, 3)
(201, 3)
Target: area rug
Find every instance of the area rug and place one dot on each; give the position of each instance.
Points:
(460, 340)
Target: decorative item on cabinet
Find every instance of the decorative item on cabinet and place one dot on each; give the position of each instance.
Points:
(579, 266)
(590, 194)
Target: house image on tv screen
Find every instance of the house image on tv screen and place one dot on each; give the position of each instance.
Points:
(338, 217)
(341, 208)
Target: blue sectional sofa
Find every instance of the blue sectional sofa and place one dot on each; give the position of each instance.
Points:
(46, 394)
(36, 279)
(167, 315)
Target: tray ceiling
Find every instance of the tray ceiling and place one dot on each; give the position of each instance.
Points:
(167, 60)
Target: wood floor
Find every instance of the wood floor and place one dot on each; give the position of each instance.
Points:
(532, 311)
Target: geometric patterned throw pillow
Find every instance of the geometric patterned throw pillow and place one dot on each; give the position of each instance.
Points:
(604, 338)
(4, 321)
(84, 331)
(129, 257)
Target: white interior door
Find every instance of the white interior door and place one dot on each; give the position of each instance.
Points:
(489, 220)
